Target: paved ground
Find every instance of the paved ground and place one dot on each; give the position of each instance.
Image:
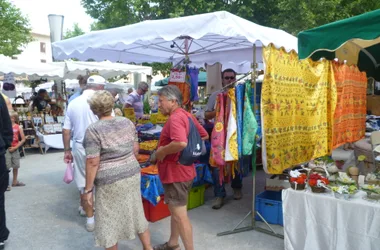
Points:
(43, 215)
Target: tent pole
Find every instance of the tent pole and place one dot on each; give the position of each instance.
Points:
(253, 211)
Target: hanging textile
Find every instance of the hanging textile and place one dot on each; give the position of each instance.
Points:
(249, 122)
(180, 79)
(257, 112)
(298, 105)
(214, 78)
(239, 90)
(231, 139)
(193, 73)
(350, 112)
(218, 136)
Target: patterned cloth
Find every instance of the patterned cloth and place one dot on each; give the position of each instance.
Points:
(151, 188)
(298, 105)
(113, 140)
(350, 112)
(218, 136)
(231, 139)
(239, 89)
(119, 212)
(193, 73)
(249, 123)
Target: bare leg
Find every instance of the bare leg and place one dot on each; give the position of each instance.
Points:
(183, 225)
(15, 174)
(145, 240)
(174, 232)
(112, 248)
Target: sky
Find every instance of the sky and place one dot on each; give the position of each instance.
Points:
(38, 11)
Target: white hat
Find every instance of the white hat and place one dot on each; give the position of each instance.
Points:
(96, 80)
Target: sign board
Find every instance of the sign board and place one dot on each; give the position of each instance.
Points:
(177, 76)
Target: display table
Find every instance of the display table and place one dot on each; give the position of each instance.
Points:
(320, 221)
(51, 141)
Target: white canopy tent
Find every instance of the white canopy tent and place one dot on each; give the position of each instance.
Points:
(206, 38)
(106, 69)
(33, 70)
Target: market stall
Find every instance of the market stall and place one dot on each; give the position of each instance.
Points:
(347, 219)
(186, 42)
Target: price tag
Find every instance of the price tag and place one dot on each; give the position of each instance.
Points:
(130, 114)
(49, 129)
(177, 76)
(57, 127)
(37, 121)
(60, 119)
(49, 119)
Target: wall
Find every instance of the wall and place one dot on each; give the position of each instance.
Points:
(32, 52)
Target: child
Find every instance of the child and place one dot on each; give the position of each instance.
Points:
(12, 155)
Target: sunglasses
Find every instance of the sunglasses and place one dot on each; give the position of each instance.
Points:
(229, 78)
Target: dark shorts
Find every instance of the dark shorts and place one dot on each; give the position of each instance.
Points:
(177, 193)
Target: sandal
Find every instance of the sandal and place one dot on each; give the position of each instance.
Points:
(166, 246)
(9, 188)
(18, 184)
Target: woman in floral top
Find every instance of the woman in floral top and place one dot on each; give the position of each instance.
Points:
(111, 166)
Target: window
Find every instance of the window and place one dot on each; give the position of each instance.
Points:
(43, 60)
(14, 58)
(42, 47)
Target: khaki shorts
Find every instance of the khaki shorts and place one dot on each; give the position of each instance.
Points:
(12, 159)
(177, 193)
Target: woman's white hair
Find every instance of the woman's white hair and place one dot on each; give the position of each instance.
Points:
(102, 103)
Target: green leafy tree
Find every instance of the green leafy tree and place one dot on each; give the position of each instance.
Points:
(75, 31)
(15, 29)
(292, 16)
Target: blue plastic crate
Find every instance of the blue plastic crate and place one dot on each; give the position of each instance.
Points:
(269, 205)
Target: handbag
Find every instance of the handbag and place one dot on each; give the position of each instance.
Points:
(193, 150)
(69, 173)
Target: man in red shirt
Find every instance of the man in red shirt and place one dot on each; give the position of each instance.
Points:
(176, 178)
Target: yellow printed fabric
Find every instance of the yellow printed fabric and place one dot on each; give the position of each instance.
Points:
(232, 153)
(298, 105)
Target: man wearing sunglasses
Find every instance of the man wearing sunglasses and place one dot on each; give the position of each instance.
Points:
(135, 99)
(228, 77)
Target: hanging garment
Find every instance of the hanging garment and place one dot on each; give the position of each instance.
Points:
(239, 90)
(180, 79)
(249, 123)
(193, 73)
(214, 78)
(231, 139)
(350, 112)
(298, 105)
(218, 136)
(256, 108)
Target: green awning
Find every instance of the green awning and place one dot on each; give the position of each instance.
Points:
(202, 79)
(355, 40)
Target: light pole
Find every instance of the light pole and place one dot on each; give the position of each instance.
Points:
(56, 34)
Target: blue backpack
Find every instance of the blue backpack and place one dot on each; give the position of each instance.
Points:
(193, 150)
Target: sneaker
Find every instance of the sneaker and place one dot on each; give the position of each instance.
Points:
(90, 227)
(2, 244)
(218, 203)
(81, 211)
(238, 194)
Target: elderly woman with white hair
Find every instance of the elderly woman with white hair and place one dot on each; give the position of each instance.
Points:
(111, 166)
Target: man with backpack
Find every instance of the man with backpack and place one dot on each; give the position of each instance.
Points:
(180, 144)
